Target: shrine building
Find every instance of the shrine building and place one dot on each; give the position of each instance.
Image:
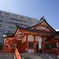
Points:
(40, 38)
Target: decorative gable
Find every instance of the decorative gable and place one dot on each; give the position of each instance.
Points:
(19, 35)
(43, 26)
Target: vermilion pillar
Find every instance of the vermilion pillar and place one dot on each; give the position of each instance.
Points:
(43, 45)
(26, 42)
(34, 44)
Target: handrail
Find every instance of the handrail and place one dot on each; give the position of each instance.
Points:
(17, 55)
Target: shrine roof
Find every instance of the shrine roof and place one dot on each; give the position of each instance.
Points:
(57, 33)
(33, 30)
(41, 21)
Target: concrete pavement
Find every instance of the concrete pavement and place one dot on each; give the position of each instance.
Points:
(30, 56)
(6, 56)
(39, 56)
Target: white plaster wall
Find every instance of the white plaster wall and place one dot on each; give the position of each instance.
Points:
(39, 39)
(24, 39)
(30, 38)
(57, 44)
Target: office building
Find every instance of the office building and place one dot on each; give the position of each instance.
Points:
(8, 22)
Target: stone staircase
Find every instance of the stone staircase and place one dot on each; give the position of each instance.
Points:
(6, 56)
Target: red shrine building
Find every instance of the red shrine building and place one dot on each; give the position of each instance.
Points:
(40, 38)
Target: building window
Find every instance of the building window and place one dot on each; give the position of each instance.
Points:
(1, 46)
(0, 12)
(29, 18)
(0, 20)
(0, 25)
(1, 16)
(7, 14)
(30, 22)
(12, 27)
(25, 21)
(4, 17)
(30, 44)
(15, 15)
(22, 17)
(6, 31)
(11, 31)
(17, 20)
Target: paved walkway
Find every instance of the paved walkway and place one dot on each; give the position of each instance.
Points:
(39, 56)
(30, 56)
(47, 56)
(6, 56)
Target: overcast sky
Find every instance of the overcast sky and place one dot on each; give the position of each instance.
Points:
(34, 8)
